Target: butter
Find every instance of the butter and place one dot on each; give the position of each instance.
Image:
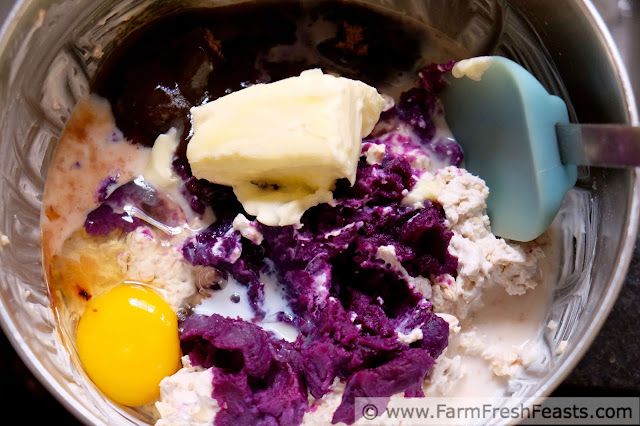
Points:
(283, 145)
(159, 170)
(281, 207)
(159, 173)
(426, 188)
(473, 68)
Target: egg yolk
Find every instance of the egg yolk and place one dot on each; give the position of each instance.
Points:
(128, 342)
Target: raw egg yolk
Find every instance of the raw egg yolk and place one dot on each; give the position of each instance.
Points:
(128, 342)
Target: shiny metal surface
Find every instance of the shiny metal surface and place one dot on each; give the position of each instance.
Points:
(576, 41)
(601, 145)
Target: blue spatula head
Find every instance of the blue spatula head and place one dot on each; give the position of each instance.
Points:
(505, 123)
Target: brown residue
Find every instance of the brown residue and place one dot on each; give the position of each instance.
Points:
(354, 39)
(51, 213)
(215, 45)
(83, 293)
(84, 117)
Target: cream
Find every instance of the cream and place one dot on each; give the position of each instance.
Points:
(91, 149)
(233, 302)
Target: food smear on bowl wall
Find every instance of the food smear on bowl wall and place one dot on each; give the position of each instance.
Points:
(289, 306)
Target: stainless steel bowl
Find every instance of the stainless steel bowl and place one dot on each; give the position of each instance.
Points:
(49, 49)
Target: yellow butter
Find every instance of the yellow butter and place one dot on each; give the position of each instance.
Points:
(283, 145)
(426, 188)
(159, 170)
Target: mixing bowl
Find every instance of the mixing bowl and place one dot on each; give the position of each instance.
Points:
(50, 49)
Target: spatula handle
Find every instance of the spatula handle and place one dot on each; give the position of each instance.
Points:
(604, 145)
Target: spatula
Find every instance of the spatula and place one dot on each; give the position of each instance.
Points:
(517, 137)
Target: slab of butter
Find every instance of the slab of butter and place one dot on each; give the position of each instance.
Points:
(283, 145)
(159, 170)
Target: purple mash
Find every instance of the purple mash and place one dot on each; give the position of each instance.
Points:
(121, 209)
(348, 304)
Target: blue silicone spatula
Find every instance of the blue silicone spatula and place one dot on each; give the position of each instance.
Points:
(517, 137)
